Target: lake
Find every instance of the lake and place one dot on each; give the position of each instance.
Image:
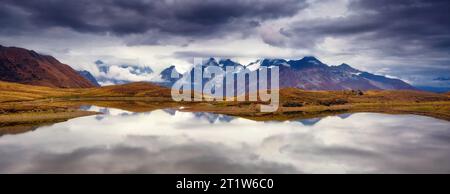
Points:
(172, 141)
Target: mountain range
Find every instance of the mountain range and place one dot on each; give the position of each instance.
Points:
(87, 75)
(310, 74)
(28, 67)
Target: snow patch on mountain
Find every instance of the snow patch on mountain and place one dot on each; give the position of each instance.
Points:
(254, 65)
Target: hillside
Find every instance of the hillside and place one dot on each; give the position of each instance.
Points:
(87, 75)
(28, 67)
(305, 97)
(136, 89)
(20, 92)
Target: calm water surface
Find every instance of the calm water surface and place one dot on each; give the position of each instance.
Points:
(170, 141)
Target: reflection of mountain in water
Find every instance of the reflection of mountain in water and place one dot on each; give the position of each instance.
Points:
(211, 117)
(310, 122)
(106, 111)
(344, 116)
(99, 117)
(313, 121)
(207, 116)
(17, 129)
(170, 111)
(85, 107)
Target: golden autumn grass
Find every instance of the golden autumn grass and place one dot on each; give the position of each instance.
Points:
(301, 104)
(24, 103)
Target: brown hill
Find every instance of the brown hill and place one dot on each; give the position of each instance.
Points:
(28, 67)
(135, 89)
(304, 97)
(20, 92)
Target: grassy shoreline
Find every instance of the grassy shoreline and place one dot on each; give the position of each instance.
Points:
(29, 119)
(25, 104)
(63, 108)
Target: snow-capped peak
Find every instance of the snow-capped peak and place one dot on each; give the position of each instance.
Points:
(254, 65)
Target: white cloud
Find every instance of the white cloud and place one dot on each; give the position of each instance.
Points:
(118, 73)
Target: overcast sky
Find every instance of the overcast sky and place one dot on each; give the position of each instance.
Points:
(408, 39)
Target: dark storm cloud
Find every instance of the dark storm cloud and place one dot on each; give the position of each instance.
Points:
(412, 20)
(413, 35)
(176, 17)
(204, 54)
(401, 27)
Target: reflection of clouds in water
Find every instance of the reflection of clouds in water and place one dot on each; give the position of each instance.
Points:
(169, 141)
(213, 117)
(190, 158)
(372, 143)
